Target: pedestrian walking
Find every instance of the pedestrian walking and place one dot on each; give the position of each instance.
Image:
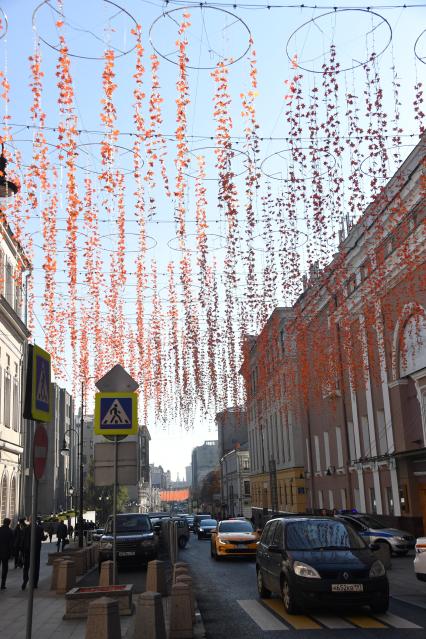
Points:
(6, 550)
(61, 535)
(49, 530)
(40, 537)
(18, 543)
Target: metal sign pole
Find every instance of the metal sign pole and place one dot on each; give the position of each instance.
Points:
(32, 556)
(114, 513)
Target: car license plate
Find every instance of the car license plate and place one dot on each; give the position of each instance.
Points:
(347, 588)
(127, 554)
(241, 546)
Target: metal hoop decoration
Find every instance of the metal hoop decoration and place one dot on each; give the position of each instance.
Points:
(76, 55)
(311, 177)
(215, 179)
(335, 12)
(116, 146)
(148, 248)
(218, 248)
(419, 58)
(200, 7)
(390, 149)
(3, 17)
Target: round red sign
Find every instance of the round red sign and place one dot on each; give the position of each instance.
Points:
(40, 447)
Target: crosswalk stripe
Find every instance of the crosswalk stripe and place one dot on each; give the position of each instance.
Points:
(396, 622)
(264, 619)
(363, 621)
(333, 623)
(300, 622)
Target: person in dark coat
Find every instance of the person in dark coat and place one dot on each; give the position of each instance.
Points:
(40, 537)
(6, 550)
(18, 543)
(61, 535)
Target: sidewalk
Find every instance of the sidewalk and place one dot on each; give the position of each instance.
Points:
(50, 607)
(403, 582)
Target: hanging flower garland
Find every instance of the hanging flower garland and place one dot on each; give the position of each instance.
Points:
(182, 102)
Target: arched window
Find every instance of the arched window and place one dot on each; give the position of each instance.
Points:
(412, 357)
(12, 500)
(3, 497)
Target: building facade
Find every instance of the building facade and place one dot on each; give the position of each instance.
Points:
(274, 430)
(204, 459)
(336, 385)
(13, 348)
(59, 477)
(235, 483)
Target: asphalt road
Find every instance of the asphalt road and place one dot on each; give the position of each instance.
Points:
(229, 604)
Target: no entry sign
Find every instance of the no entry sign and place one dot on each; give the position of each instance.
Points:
(40, 447)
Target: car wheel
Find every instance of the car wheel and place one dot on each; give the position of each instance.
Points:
(379, 605)
(288, 597)
(264, 593)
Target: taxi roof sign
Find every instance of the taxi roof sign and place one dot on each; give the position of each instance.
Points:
(38, 402)
(116, 413)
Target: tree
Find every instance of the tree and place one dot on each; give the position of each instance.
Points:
(100, 498)
(210, 488)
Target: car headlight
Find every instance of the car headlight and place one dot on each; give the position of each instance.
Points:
(201, 529)
(304, 570)
(377, 569)
(227, 542)
(399, 538)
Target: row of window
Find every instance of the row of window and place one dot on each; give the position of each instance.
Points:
(389, 244)
(272, 441)
(9, 286)
(8, 498)
(9, 393)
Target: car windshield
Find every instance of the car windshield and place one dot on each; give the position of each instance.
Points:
(235, 526)
(321, 534)
(370, 522)
(208, 522)
(130, 524)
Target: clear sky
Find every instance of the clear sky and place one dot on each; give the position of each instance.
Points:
(93, 25)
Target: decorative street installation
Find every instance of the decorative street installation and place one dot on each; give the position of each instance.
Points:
(168, 227)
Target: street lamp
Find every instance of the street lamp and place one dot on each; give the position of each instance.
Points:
(71, 492)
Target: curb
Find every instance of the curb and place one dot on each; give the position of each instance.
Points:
(199, 630)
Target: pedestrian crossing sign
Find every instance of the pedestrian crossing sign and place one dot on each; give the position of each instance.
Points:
(116, 413)
(41, 405)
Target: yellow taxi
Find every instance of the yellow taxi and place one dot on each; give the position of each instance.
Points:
(233, 538)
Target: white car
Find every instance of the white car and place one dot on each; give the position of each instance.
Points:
(420, 559)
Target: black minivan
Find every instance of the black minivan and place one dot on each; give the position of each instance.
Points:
(319, 561)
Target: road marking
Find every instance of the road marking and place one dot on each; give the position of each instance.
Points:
(300, 622)
(333, 622)
(396, 622)
(363, 621)
(264, 619)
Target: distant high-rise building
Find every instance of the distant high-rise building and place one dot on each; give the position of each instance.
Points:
(231, 429)
(188, 475)
(204, 460)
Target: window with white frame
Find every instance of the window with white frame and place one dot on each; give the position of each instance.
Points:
(7, 398)
(9, 283)
(317, 454)
(339, 447)
(327, 449)
(15, 413)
